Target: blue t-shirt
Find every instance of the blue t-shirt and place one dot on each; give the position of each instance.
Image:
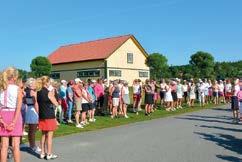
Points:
(91, 92)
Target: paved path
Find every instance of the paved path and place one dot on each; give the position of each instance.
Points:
(205, 136)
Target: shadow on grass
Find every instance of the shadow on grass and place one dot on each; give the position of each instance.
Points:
(228, 142)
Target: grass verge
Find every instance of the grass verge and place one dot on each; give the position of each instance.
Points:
(106, 122)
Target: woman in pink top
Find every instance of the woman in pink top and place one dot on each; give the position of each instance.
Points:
(99, 91)
(10, 117)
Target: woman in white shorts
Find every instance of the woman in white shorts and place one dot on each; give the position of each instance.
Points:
(115, 98)
(31, 116)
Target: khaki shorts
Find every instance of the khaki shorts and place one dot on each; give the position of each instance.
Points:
(78, 105)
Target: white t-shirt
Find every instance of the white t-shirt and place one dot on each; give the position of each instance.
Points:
(228, 87)
(221, 87)
(185, 88)
(236, 89)
(136, 88)
(12, 96)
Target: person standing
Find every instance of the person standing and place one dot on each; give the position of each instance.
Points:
(179, 94)
(228, 90)
(32, 112)
(70, 100)
(174, 94)
(162, 92)
(86, 103)
(99, 91)
(192, 94)
(63, 97)
(10, 113)
(201, 93)
(235, 101)
(149, 98)
(125, 98)
(47, 120)
(115, 97)
(91, 92)
(136, 95)
(215, 92)
(185, 87)
(78, 101)
(168, 97)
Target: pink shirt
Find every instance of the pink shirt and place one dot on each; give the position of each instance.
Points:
(99, 90)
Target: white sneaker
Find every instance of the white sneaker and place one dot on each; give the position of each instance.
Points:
(25, 133)
(91, 120)
(94, 119)
(83, 123)
(69, 121)
(42, 156)
(79, 126)
(36, 149)
(51, 156)
(126, 116)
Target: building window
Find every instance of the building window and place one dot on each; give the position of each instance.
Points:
(116, 73)
(130, 58)
(55, 75)
(143, 74)
(88, 73)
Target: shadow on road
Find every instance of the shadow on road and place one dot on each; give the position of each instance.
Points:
(222, 128)
(29, 151)
(228, 142)
(222, 109)
(229, 158)
(205, 119)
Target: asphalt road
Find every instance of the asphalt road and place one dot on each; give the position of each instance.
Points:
(205, 136)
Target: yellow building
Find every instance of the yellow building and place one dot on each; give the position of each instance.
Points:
(112, 58)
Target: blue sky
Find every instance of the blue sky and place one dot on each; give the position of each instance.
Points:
(175, 28)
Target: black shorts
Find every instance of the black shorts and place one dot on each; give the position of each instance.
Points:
(174, 96)
(215, 94)
(100, 101)
(86, 107)
(93, 105)
(185, 94)
(149, 98)
(162, 95)
(234, 103)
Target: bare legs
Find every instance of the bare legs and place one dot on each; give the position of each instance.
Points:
(4, 148)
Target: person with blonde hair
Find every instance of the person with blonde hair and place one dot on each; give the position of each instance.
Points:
(31, 115)
(47, 121)
(10, 113)
(125, 98)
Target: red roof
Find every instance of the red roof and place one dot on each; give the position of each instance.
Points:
(93, 50)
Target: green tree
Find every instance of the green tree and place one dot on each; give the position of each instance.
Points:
(40, 66)
(23, 74)
(158, 65)
(202, 64)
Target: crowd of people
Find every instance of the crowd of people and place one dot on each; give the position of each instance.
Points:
(44, 103)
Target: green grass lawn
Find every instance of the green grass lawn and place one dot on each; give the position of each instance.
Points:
(107, 122)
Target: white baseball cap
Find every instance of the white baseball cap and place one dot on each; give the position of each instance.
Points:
(78, 80)
(63, 81)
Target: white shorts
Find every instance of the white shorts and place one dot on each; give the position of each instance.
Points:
(115, 101)
(179, 95)
(31, 116)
